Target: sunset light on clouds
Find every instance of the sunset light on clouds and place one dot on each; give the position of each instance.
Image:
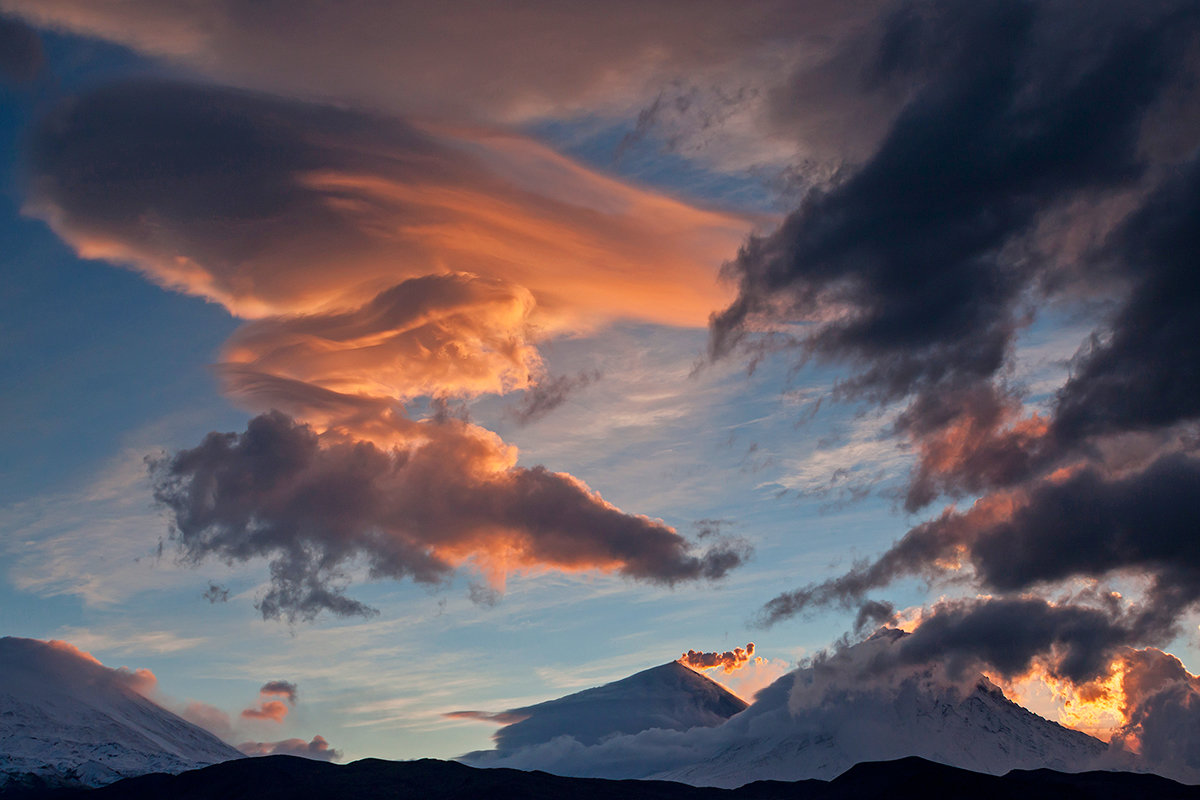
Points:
(465, 356)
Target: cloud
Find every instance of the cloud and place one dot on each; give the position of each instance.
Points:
(21, 56)
(381, 262)
(901, 269)
(1085, 525)
(498, 717)
(437, 335)
(1025, 171)
(285, 689)
(316, 503)
(855, 703)
(1161, 702)
(318, 749)
(254, 197)
(729, 661)
(209, 717)
(549, 394)
(272, 710)
(131, 639)
(701, 72)
(140, 680)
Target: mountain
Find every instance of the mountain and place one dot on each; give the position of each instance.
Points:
(291, 778)
(670, 696)
(66, 719)
(982, 731)
(815, 722)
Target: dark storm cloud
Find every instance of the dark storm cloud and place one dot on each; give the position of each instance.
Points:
(919, 269)
(1086, 526)
(314, 506)
(899, 270)
(1144, 372)
(1073, 641)
(21, 56)
(550, 393)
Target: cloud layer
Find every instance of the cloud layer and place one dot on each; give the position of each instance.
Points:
(1037, 167)
(380, 262)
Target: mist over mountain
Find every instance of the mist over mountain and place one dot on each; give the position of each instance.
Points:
(67, 720)
(811, 723)
(668, 697)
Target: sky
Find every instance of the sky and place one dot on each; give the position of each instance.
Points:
(367, 362)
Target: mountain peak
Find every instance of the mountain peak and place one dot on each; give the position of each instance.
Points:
(66, 719)
(670, 696)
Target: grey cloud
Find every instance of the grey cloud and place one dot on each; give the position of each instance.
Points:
(919, 268)
(549, 393)
(281, 688)
(21, 56)
(1087, 525)
(313, 507)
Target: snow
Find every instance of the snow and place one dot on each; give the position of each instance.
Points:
(68, 720)
(670, 696)
(810, 724)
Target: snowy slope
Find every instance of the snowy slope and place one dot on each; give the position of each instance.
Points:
(670, 696)
(66, 719)
(981, 731)
(812, 724)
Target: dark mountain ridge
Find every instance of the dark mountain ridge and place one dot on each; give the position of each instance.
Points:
(291, 778)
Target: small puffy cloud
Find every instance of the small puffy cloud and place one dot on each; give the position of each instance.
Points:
(285, 689)
(317, 749)
(729, 661)
(272, 710)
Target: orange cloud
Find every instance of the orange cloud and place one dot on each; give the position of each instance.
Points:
(141, 680)
(379, 262)
(318, 749)
(445, 493)
(334, 207)
(728, 661)
(273, 710)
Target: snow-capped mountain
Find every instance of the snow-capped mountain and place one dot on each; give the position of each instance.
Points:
(670, 696)
(66, 719)
(813, 723)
